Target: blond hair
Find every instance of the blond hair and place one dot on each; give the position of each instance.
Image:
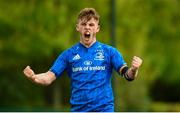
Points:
(87, 14)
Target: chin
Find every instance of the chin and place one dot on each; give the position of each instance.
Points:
(87, 43)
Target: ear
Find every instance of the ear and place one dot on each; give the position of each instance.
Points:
(98, 28)
(77, 27)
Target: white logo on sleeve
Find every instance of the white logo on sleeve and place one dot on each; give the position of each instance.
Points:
(76, 57)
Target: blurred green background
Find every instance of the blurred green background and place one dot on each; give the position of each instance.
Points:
(35, 32)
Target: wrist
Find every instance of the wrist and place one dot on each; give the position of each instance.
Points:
(133, 72)
(133, 69)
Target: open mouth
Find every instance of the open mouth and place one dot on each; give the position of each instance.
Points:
(87, 34)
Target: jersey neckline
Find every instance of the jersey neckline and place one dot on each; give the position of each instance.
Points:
(92, 46)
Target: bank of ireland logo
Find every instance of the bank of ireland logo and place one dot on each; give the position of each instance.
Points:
(87, 62)
(99, 56)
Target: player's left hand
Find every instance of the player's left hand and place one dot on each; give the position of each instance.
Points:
(136, 63)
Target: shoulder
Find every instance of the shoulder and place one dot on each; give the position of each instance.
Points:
(107, 47)
(112, 51)
(72, 49)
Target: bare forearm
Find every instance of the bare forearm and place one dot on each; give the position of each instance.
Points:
(42, 79)
(131, 73)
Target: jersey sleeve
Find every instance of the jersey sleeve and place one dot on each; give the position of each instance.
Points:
(60, 64)
(117, 60)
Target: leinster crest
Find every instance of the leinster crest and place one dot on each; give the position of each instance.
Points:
(99, 56)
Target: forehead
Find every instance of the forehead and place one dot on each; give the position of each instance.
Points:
(84, 20)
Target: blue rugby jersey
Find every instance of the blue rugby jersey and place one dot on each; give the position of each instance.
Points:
(90, 72)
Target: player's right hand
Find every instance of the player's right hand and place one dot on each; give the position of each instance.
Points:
(28, 72)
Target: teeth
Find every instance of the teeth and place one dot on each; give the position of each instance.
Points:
(87, 33)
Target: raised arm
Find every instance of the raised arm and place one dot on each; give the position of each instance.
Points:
(42, 78)
(131, 73)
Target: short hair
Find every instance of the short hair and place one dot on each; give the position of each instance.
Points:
(88, 13)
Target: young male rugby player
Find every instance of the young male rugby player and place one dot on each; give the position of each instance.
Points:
(89, 64)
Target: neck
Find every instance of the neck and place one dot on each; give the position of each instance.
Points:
(88, 45)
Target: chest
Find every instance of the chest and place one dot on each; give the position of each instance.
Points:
(92, 60)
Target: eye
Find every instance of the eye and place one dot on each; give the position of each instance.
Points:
(91, 24)
(83, 24)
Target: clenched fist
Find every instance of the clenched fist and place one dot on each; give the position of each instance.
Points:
(28, 72)
(136, 63)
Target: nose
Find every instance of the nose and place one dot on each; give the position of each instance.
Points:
(87, 27)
